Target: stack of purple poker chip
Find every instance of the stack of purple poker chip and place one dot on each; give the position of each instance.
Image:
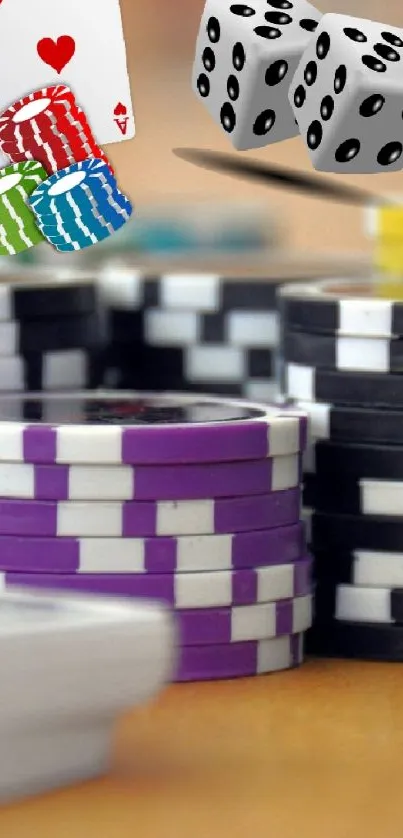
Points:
(190, 500)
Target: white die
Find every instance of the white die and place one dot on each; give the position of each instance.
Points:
(347, 96)
(246, 56)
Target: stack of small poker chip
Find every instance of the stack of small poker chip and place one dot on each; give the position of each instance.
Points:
(190, 331)
(18, 228)
(51, 330)
(193, 501)
(78, 203)
(80, 206)
(342, 355)
(48, 126)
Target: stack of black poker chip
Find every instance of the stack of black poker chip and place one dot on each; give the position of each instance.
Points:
(188, 331)
(197, 329)
(342, 362)
(52, 330)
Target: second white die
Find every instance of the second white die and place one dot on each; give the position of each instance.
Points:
(246, 56)
(347, 96)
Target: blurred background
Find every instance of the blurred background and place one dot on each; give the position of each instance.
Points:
(160, 39)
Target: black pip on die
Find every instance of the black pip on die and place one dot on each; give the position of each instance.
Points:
(347, 96)
(246, 56)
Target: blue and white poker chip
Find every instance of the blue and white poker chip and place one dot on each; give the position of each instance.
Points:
(76, 239)
(92, 173)
(67, 228)
(89, 216)
(77, 234)
(68, 216)
(80, 205)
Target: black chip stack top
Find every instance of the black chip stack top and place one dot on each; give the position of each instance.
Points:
(51, 330)
(342, 362)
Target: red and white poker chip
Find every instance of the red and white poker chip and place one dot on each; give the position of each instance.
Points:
(47, 100)
(48, 126)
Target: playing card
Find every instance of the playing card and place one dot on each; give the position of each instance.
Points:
(79, 43)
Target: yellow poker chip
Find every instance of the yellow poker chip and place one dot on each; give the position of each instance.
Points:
(18, 228)
(388, 262)
(390, 223)
(389, 290)
(388, 257)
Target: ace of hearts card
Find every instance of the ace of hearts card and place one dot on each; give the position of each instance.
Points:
(79, 43)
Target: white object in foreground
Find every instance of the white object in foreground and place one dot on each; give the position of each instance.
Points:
(70, 665)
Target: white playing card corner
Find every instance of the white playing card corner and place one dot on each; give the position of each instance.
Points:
(80, 44)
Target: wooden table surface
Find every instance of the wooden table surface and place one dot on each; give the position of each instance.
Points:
(314, 752)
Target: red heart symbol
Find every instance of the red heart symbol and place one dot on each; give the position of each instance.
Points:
(120, 109)
(56, 53)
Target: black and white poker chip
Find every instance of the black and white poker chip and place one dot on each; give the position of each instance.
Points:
(359, 496)
(366, 389)
(333, 531)
(77, 331)
(132, 289)
(345, 423)
(368, 568)
(72, 369)
(343, 363)
(27, 294)
(191, 331)
(354, 461)
(365, 641)
(340, 307)
(52, 331)
(359, 603)
(340, 352)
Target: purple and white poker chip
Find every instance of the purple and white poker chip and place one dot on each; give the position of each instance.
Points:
(240, 660)
(220, 588)
(129, 519)
(171, 482)
(169, 554)
(145, 429)
(197, 626)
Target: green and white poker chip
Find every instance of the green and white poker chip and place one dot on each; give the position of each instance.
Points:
(18, 226)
